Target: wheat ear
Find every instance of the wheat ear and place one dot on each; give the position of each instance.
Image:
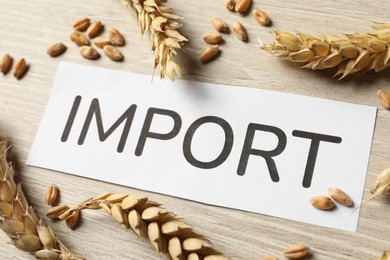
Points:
(164, 35)
(165, 231)
(19, 222)
(385, 255)
(381, 185)
(349, 53)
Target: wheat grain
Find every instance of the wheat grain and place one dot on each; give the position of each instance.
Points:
(5, 63)
(79, 38)
(230, 4)
(219, 25)
(113, 53)
(212, 37)
(18, 219)
(116, 37)
(51, 196)
(209, 53)
(349, 53)
(340, 197)
(296, 251)
(242, 5)
(322, 202)
(21, 68)
(56, 49)
(89, 52)
(240, 31)
(261, 17)
(165, 231)
(102, 41)
(384, 98)
(95, 29)
(164, 35)
(82, 24)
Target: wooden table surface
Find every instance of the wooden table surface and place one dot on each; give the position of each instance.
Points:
(28, 27)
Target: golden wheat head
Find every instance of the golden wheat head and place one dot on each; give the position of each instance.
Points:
(164, 35)
(19, 222)
(166, 232)
(349, 53)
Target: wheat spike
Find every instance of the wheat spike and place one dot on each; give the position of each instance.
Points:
(381, 185)
(349, 53)
(385, 255)
(165, 231)
(164, 35)
(18, 219)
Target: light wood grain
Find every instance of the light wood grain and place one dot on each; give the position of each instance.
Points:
(28, 27)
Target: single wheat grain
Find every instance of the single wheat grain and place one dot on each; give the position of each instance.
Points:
(5, 63)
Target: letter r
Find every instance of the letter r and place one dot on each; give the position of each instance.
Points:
(267, 155)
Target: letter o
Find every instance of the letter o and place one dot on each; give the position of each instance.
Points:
(227, 148)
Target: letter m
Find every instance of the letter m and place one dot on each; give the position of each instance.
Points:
(94, 111)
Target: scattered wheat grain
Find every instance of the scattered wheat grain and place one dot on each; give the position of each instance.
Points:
(261, 17)
(82, 24)
(116, 37)
(240, 31)
(56, 49)
(212, 37)
(113, 53)
(219, 25)
(209, 53)
(101, 41)
(242, 5)
(384, 98)
(296, 251)
(95, 29)
(230, 4)
(20, 69)
(89, 53)
(340, 197)
(5, 63)
(79, 38)
(51, 196)
(322, 202)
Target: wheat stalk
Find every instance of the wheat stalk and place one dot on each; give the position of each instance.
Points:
(165, 231)
(164, 35)
(19, 222)
(349, 53)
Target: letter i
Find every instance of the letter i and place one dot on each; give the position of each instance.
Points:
(72, 116)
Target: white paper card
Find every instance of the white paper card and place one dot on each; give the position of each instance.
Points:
(242, 148)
